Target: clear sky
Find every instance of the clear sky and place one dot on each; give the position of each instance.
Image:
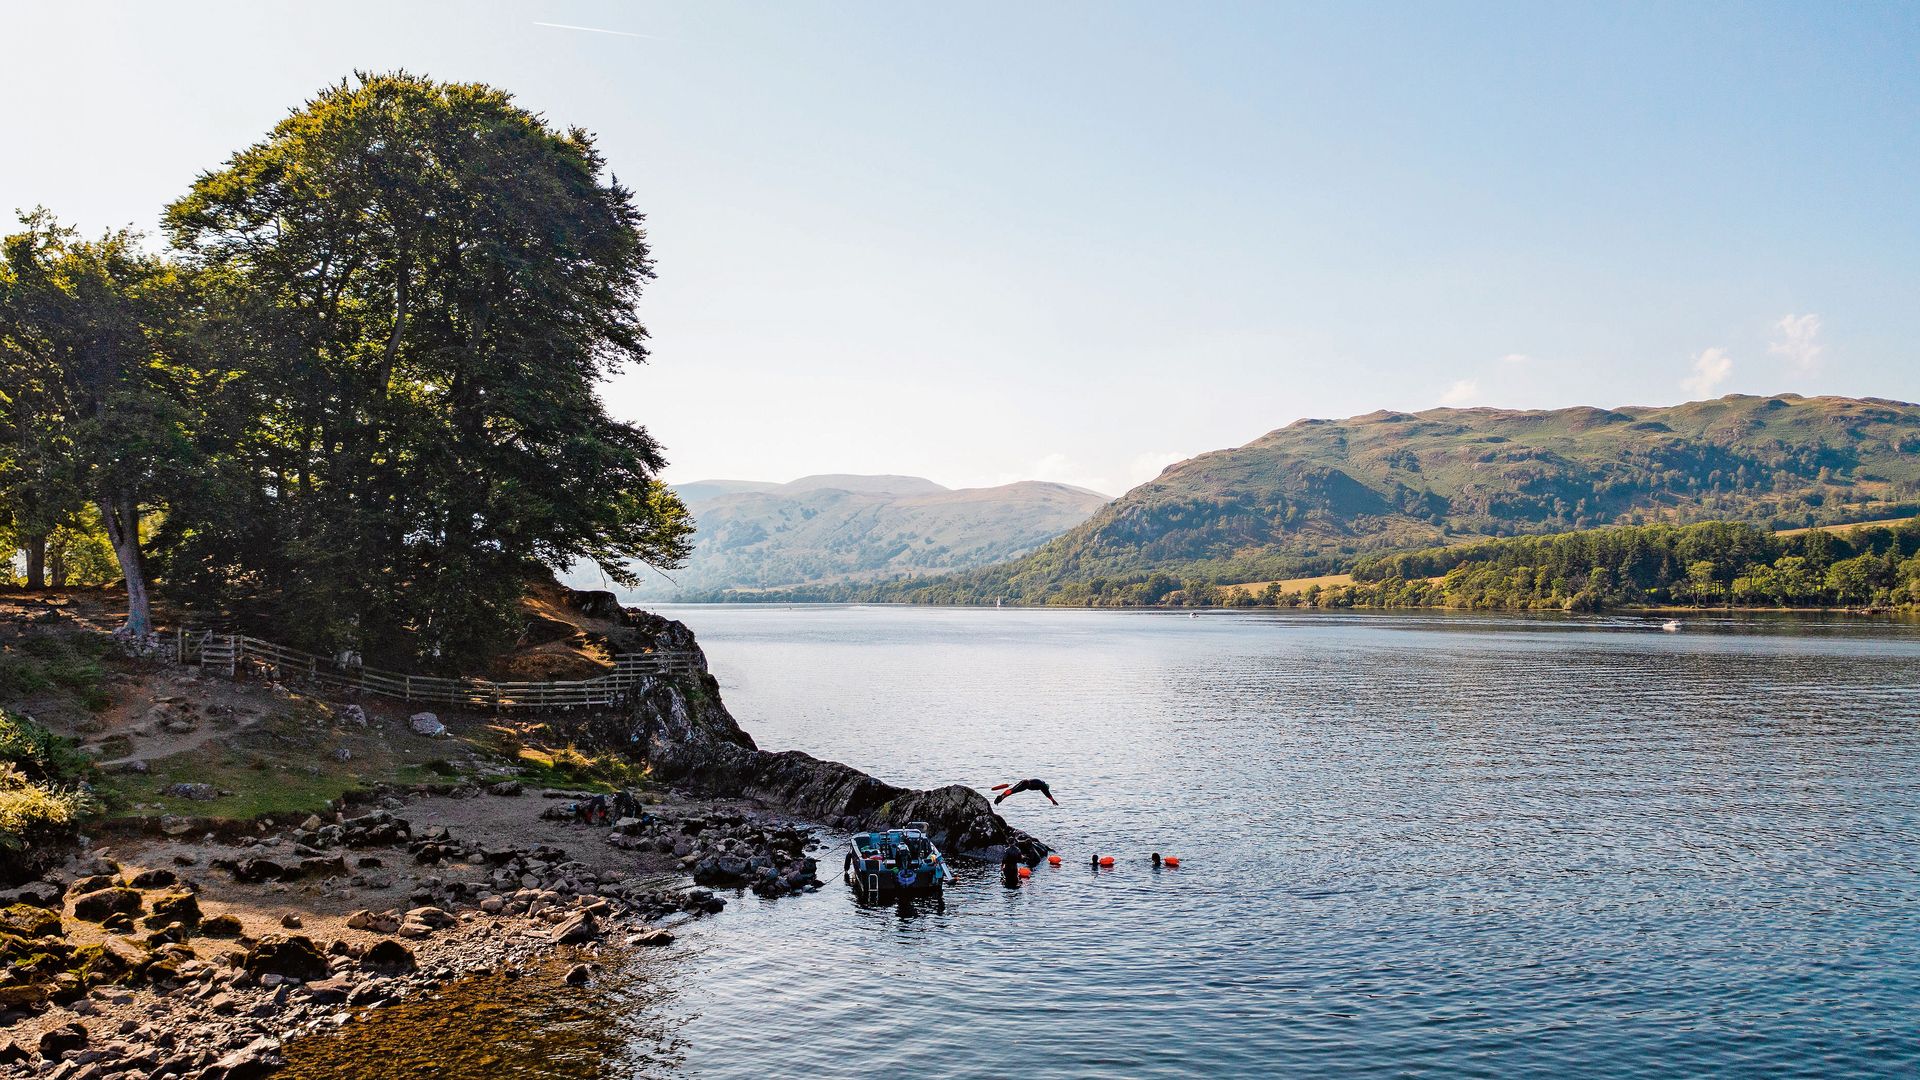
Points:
(1076, 241)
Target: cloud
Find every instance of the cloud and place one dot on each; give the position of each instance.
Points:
(1796, 337)
(1145, 467)
(596, 30)
(1062, 469)
(1516, 359)
(1461, 393)
(1711, 368)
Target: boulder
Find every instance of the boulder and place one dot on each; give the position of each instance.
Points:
(427, 724)
(388, 957)
(291, 956)
(28, 921)
(181, 907)
(60, 1041)
(42, 894)
(157, 878)
(102, 904)
(353, 714)
(578, 974)
(221, 926)
(577, 929)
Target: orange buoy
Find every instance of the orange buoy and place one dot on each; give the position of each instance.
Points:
(1053, 860)
(1106, 860)
(1026, 872)
(1171, 860)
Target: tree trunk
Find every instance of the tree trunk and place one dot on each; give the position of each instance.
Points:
(37, 561)
(122, 519)
(57, 566)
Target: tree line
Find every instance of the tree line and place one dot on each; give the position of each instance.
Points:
(352, 394)
(1706, 564)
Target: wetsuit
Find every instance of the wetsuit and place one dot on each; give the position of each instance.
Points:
(1025, 785)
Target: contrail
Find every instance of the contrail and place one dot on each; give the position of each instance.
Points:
(597, 30)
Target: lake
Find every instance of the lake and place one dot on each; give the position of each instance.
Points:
(1411, 844)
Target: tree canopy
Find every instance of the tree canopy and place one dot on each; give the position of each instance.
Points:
(402, 303)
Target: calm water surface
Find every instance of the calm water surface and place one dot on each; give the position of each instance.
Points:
(1412, 845)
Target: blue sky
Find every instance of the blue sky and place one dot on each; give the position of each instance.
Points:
(1076, 241)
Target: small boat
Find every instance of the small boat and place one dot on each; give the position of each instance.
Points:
(1671, 626)
(896, 862)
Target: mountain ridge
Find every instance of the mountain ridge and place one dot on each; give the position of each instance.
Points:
(1314, 496)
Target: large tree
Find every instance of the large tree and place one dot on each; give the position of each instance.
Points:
(90, 380)
(428, 284)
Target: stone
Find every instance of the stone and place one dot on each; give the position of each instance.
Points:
(353, 714)
(192, 791)
(332, 991)
(438, 918)
(101, 905)
(157, 878)
(182, 907)
(294, 956)
(427, 724)
(256, 1059)
(651, 938)
(61, 1041)
(41, 894)
(388, 957)
(576, 929)
(221, 926)
(505, 787)
(578, 974)
(378, 924)
(90, 883)
(291, 921)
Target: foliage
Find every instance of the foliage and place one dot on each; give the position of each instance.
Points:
(1704, 564)
(93, 356)
(427, 284)
(40, 808)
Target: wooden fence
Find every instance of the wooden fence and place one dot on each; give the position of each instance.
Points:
(229, 653)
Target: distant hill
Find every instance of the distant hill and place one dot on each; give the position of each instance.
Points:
(841, 530)
(1312, 497)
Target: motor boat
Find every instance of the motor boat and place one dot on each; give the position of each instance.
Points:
(896, 862)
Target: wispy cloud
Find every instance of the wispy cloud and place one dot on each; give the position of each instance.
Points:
(1118, 478)
(1711, 368)
(596, 30)
(1516, 359)
(1462, 392)
(1797, 339)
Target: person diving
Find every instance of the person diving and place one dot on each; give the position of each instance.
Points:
(1024, 785)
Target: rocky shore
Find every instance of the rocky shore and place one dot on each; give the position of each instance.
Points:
(198, 957)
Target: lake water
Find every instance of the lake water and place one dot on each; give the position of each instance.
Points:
(1412, 845)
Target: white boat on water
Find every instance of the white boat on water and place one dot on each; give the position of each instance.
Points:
(1671, 626)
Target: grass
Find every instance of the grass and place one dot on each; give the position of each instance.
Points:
(284, 765)
(72, 661)
(1289, 586)
(1883, 523)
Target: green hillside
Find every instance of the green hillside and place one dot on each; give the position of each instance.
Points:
(1315, 496)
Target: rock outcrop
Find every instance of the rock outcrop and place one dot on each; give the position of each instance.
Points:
(679, 726)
